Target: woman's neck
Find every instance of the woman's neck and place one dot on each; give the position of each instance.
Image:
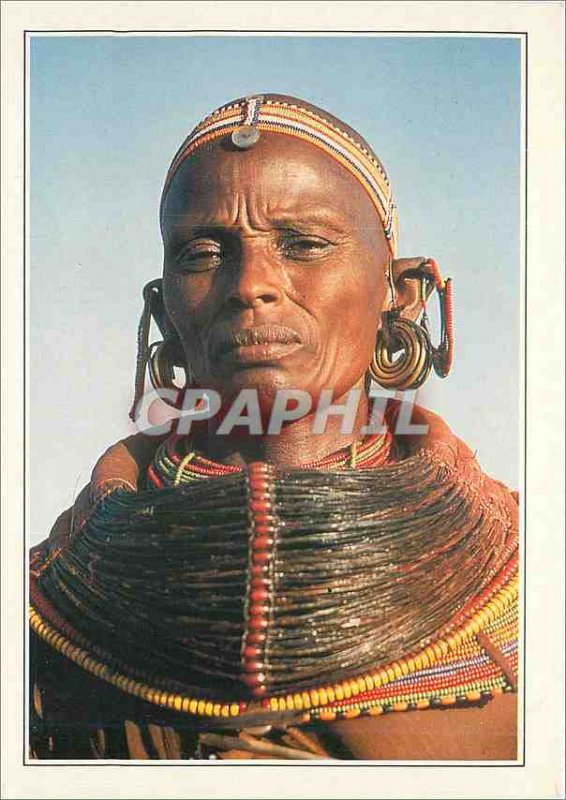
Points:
(296, 444)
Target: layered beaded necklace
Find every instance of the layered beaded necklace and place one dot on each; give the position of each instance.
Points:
(263, 583)
(176, 463)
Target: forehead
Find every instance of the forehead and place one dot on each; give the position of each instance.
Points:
(279, 175)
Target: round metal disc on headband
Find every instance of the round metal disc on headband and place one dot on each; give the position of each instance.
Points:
(245, 137)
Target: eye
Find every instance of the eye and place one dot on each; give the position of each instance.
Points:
(200, 255)
(304, 247)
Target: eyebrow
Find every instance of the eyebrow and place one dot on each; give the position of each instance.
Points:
(300, 220)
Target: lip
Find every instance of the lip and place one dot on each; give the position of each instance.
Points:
(261, 344)
(259, 354)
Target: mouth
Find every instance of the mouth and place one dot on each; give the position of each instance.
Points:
(263, 344)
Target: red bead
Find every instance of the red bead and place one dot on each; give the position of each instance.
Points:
(257, 466)
(258, 484)
(257, 570)
(251, 652)
(259, 594)
(254, 680)
(260, 557)
(255, 637)
(263, 518)
(242, 707)
(257, 610)
(262, 542)
(257, 623)
(259, 691)
(260, 505)
(253, 666)
(264, 530)
(259, 583)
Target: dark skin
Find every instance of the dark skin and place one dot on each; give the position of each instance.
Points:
(278, 235)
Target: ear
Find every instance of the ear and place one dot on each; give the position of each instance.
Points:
(408, 275)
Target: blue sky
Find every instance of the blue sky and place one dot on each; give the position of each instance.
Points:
(106, 116)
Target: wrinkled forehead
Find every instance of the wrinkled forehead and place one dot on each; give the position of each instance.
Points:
(280, 179)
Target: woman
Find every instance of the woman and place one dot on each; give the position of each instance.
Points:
(285, 562)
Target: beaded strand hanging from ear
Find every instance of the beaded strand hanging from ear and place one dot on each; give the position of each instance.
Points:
(160, 357)
(442, 356)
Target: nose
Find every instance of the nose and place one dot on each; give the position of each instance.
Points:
(257, 279)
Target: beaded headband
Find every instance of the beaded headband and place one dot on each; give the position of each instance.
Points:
(246, 119)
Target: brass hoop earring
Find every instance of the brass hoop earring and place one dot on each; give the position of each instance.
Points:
(412, 366)
(162, 359)
(411, 341)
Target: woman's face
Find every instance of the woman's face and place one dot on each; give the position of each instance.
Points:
(274, 269)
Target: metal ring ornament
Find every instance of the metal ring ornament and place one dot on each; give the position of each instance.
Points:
(410, 369)
(162, 359)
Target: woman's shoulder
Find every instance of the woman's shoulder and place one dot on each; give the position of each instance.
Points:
(417, 431)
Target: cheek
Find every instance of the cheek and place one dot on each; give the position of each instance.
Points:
(350, 309)
(187, 299)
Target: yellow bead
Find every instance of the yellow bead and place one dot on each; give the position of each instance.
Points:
(390, 674)
(225, 711)
(400, 706)
(354, 687)
(377, 680)
(424, 660)
(186, 705)
(397, 671)
(347, 691)
(361, 685)
(306, 700)
(448, 701)
(369, 683)
(422, 704)
(322, 697)
(274, 704)
(411, 664)
(234, 710)
(375, 711)
(216, 710)
(352, 713)
(298, 701)
(474, 625)
(339, 692)
(282, 705)
(473, 696)
(201, 706)
(289, 703)
(313, 694)
(193, 706)
(327, 716)
(331, 694)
